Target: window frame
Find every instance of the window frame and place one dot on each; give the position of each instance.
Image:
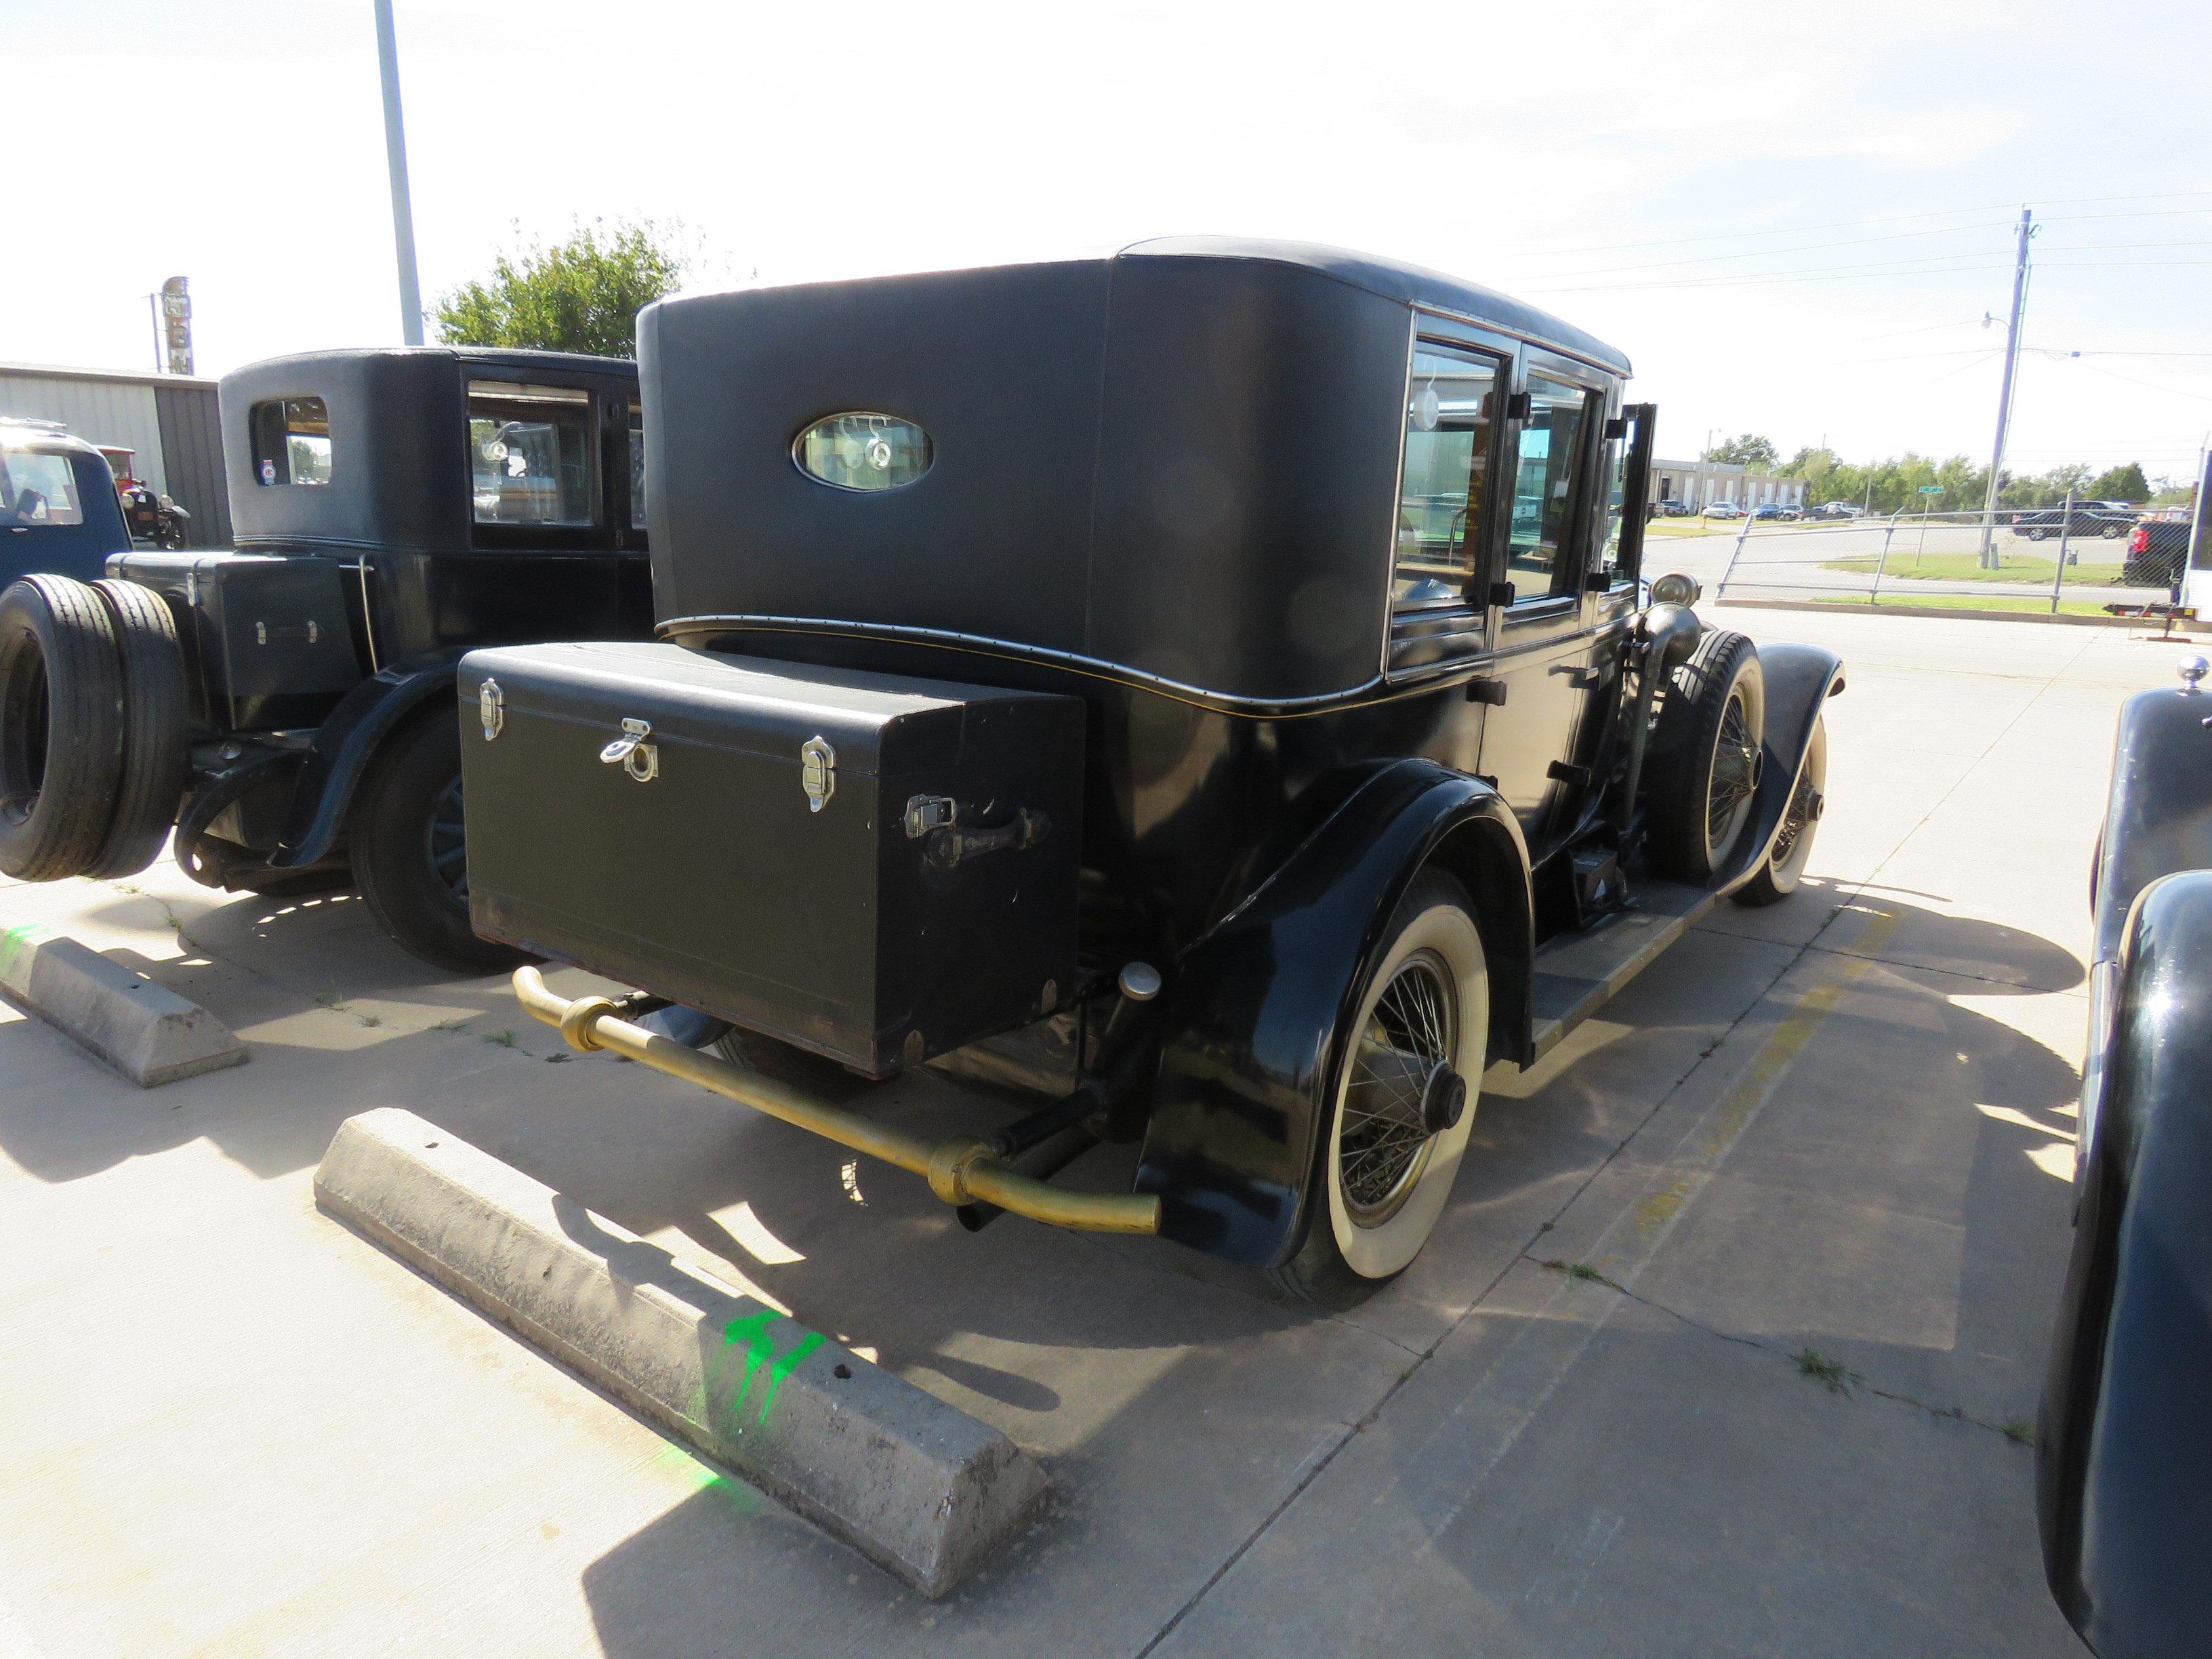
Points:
(1578, 540)
(1425, 637)
(258, 432)
(602, 533)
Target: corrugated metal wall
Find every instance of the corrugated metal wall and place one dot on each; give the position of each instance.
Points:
(171, 424)
(191, 451)
(98, 411)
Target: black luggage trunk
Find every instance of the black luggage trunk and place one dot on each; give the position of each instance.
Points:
(267, 642)
(876, 868)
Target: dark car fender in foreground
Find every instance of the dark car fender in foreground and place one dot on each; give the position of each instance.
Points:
(2124, 1451)
(344, 744)
(1258, 1003)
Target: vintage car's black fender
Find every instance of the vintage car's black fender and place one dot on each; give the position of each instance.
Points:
(2124, 1451)
(1800, 679)
(344, 744)
(1257, 1004)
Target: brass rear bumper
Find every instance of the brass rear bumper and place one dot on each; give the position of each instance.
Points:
(959, 1170)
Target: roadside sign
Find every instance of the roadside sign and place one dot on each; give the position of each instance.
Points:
(1931, 490)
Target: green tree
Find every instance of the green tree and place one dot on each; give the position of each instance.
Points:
(583, 295)
(1749, 450)
(2122, 483)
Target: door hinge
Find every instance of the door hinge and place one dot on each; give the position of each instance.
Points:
(1491, 692)
(1568, 772)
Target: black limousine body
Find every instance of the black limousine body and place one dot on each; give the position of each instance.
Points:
(287, 706)
(1194, 682)
(2124, 1461)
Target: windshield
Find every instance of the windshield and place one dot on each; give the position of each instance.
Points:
(39, 489)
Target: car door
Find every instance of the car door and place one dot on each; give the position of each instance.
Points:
(1544, 619)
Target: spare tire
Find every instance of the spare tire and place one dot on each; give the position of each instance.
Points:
(156, 756)
(60, 727)
(1704, 760)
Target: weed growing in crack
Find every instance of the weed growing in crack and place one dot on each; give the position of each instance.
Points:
(451, 1025)
(1831, 1374)
(2020, 1432)
(372, 1019)
(1581, 1270)
(505, 1039)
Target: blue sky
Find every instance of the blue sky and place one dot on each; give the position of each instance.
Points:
(1792, 221)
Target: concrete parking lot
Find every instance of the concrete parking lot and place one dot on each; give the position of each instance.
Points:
(1729, 1343)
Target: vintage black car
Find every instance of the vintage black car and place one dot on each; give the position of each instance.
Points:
(1195, 682)
(59, 509)
(287, 707)
(2124, 1457)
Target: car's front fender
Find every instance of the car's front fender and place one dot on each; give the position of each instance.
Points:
(1258, 1004)
(1800, 679)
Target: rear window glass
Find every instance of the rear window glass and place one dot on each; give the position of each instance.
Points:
(38, 489)
(292, 441)
(636, 468)
(530, 454)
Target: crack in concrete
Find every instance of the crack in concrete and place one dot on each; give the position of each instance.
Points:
(1950, 1413)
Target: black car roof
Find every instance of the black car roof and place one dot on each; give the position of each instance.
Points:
(497, 357)
(40, 438)
(1393, 279)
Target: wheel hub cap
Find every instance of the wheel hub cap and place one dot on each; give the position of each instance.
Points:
(1444, 1098)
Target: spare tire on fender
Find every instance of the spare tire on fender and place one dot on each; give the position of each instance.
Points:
(60, 727)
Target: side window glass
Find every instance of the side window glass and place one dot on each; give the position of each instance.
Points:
(1615, 479)
(291, 441)
(1450, 408)
(636, 468)
(1546, 493)
(530, 454)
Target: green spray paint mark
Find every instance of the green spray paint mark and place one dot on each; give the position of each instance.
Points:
(14, 938)
(753, 1330)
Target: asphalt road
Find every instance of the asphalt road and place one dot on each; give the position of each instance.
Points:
(1804, 1184)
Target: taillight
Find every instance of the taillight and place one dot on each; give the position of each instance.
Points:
(2140, 541)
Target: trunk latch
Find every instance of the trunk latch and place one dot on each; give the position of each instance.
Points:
(491, 708)
(817, 772)
(927, 813)
(630, 751)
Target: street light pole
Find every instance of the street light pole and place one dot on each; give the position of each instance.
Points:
(1989, 558)
(395, 155)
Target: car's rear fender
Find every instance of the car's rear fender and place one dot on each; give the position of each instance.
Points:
(1258, 1004)
(344, 744)
(2124, 1466)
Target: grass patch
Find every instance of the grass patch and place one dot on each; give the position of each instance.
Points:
(505, 1039)
(1581, 1270)
(1831, 1374)
(2020, 1432)
(1688, 527)
(1964, 568)
(2025, 604)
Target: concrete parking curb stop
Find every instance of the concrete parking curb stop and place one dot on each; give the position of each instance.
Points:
(920, 1487)
(151, 1036)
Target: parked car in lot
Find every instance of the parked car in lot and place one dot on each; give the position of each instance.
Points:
(1843, 510)
(1722, 510)
(1671, 508)
(2124, 1466)
(59, 509)
(287, 707)
(2088, 519)
(1231, 769)
(1772, 512)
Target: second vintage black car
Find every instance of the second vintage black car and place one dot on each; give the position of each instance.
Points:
(1211, 684)
(287, 708)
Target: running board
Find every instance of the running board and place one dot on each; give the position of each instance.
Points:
(1576, 974)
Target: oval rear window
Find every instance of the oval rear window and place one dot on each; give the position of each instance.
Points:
(862, 450)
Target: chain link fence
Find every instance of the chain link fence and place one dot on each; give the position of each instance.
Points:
(2046, 560)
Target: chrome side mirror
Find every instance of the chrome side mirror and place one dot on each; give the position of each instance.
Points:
(1676, 589)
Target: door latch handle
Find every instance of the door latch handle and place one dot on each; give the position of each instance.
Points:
(630, 751)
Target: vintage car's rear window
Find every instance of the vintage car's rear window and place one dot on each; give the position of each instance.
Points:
(530, 454)
(1546, 499)
(38, 488)
(862, 450)
(291, 441)
(1449, 414)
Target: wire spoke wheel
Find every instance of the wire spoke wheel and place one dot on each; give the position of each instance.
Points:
(1385, 1143)
(1735, 775)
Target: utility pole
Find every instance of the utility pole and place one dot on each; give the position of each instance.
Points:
(395, 155)
(1988, 560)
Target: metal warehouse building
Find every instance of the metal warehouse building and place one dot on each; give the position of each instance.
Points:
(169, 420)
